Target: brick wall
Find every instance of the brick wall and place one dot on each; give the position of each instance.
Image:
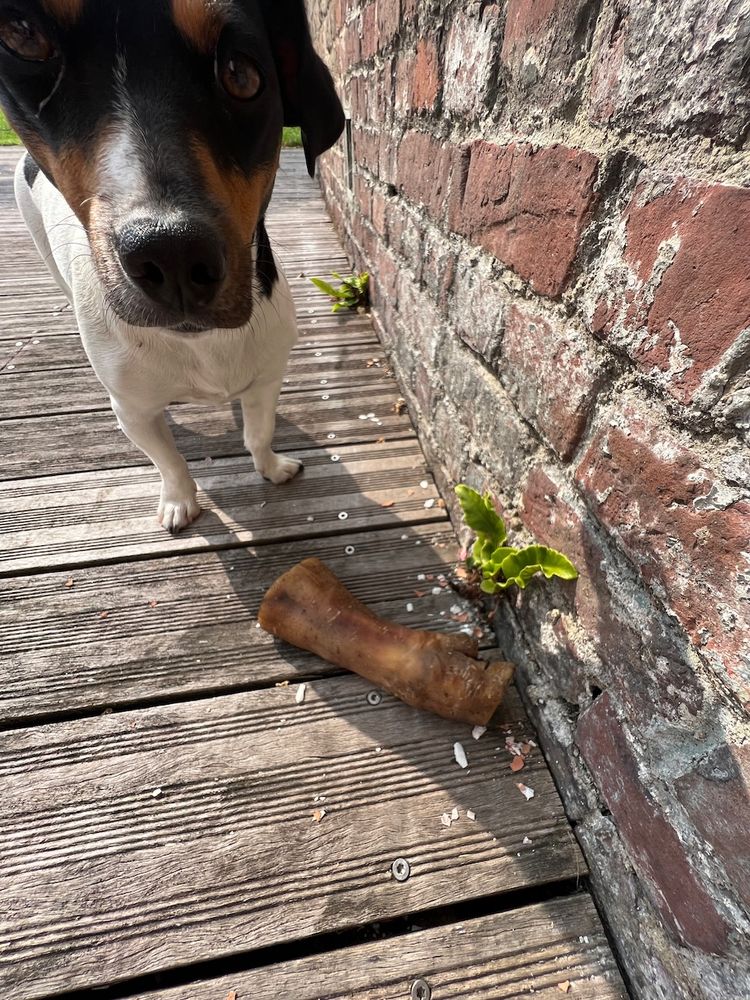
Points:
(549, 196)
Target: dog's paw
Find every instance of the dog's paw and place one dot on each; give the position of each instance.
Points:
(280, 469)
(177, 512)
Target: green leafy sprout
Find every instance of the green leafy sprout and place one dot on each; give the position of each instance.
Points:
(351, 294)
(500, 564)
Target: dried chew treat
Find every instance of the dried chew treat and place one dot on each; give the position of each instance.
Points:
(310, 608)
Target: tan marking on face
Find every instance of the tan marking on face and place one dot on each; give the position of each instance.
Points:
(240, 197)
(64, 11)
(199, 21)
(74, 174)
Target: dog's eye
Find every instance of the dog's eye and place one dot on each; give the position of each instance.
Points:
(240, 76)
(25, 41)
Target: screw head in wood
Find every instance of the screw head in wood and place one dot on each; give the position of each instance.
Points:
(421, 990)
(374, 697)
(401, 869)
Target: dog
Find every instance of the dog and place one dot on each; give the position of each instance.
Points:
(153, 130)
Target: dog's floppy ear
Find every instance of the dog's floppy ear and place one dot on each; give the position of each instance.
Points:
(307, 90)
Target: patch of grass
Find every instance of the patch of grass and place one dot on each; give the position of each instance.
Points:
(7, 136)
(292, 138)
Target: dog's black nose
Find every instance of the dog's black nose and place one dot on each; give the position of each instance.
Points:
(179, 266)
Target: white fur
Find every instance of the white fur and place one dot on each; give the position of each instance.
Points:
(144, 370)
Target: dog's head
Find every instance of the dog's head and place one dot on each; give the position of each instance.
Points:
(160, 123)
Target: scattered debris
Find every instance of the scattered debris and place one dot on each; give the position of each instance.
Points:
(564, 987)
(425, 484)
(388, 503)
(318, 815)
(399, 407)
(69, 582)
(280, 684)
(409, 607)
(460, 754)
(104, 614)
(429, 504)
(478, 732)
(445, 819)
(470, 814)
(152, 604)
(527, 841)
(517, 764)
(527, 792)
(454, 813)
(232, 994)
(157, 793)
(299, 697)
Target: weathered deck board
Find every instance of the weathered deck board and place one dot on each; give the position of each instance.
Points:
(108, 515)
(65, 443)
(66, 351)
(76, 390)
(187, 626)
(229, 850)
(531, 951)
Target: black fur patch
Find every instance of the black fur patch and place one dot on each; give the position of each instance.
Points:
(265, 268)
(30, 170)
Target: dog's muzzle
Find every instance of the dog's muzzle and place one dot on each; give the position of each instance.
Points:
(178, 266)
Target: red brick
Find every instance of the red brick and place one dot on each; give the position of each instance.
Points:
(389, 19)
(716, 796)
(687, 541)
(353, 42)
(552, 376)
(652, 843)
(366, 146)
(529, 207)
(675, 68)
(369, 42)
(702, 301)
(426, 168)
(639, 657)
(426, 85)
(471, 60)
(477, 308)
(543, 51)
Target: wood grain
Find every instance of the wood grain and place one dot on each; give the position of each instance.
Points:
(38, 391)
(104, 516)
(227, 855)
(177, 627)
(531, 951)
(65, 443)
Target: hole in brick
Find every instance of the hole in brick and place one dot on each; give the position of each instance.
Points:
(595, 691)
(605, 812)
(391, 190)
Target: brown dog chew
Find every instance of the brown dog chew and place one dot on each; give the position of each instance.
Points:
(310, 608)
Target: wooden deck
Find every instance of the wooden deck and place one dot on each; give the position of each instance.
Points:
(175, 825)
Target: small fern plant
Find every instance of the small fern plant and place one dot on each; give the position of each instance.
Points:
(501, 565)
(351, 294)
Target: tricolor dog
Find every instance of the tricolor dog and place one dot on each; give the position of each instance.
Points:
(153, 130)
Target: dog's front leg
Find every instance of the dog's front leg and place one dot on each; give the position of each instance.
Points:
(259, 416)
(149, 432)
